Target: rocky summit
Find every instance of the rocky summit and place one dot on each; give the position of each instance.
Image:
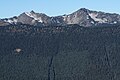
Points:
(83, 17)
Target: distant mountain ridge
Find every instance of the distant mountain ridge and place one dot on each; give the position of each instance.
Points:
(82, 17)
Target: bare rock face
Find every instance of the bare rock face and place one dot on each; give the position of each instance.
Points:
(82, 17)
(101, 17)
(85, 17)
(33, 18)
(23, 18)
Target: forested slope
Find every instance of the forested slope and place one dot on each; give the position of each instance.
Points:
(68, 52)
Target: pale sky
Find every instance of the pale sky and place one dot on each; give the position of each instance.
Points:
(11, 8)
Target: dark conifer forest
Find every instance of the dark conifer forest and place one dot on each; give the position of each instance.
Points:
(69, 52)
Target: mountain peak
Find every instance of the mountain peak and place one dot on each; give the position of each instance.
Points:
(84, 9)
(32, 11)
(82, 17)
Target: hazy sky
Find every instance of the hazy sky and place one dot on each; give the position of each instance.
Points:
(10, 8)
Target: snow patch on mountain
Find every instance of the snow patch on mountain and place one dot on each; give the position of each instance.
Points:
(11, 21)
(64, 17)
(115, 22)
(99, 20)
(34, 16)
(92, 22)
(87, 16)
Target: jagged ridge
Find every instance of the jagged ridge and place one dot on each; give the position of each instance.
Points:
(82, 17)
